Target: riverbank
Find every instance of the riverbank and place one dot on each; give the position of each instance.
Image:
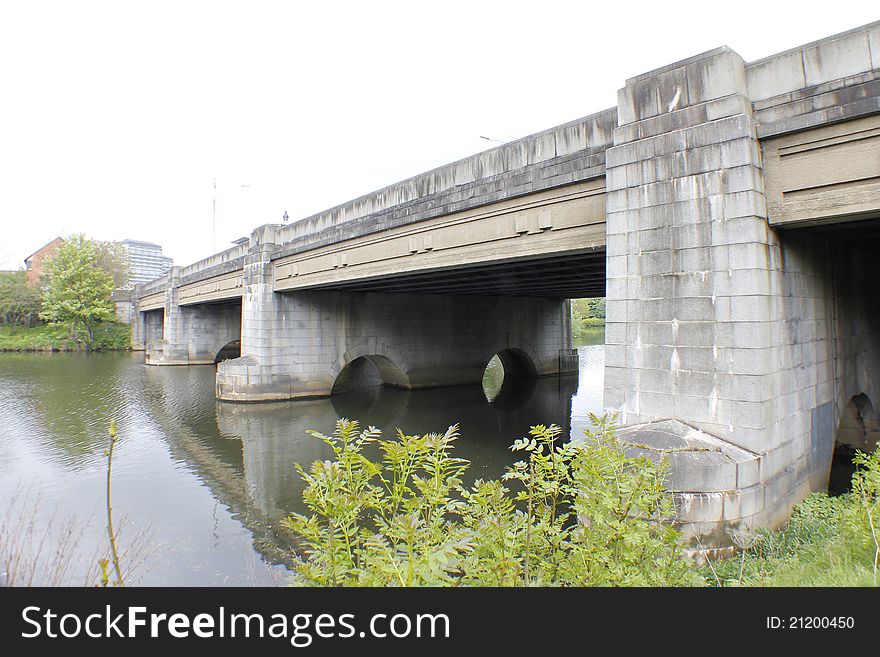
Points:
(816, 548)
(109, 336)
(828, 541)
(588, 328)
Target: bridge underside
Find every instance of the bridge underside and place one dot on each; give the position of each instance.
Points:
(561, 276)
(417, 340)
(861, 232)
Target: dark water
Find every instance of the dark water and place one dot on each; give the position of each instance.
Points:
(198, 485)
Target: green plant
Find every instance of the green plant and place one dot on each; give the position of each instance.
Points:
(583, 514)
(866, 490)
(78, 288)
(624, 534)
(828, 541)
(19, 302)
(376, 524)
(110, 533)
(108, 336)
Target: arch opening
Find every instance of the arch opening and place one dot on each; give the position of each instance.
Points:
(368, 372)
(858, 430)
(228, 351)
(509, 378)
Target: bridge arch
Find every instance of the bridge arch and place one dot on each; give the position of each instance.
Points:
(858, 424)
(858, 429)
(362, 367)
(228, 351)
(510, 377)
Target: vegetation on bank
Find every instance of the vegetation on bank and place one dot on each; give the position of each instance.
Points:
(108, 336)
(73, 296)
(829, 541)
(587, 317)
(19, 302)
(397, 513)
(567, 513)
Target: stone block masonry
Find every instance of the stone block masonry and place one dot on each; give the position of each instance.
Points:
(740, 332)
(417, 341)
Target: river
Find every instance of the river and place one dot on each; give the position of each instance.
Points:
(199, 486)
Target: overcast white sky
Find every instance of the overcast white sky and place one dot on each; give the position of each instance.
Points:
(116, 117)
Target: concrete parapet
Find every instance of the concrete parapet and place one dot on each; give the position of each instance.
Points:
(571, 153)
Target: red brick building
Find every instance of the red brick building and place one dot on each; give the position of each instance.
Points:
(36, 262)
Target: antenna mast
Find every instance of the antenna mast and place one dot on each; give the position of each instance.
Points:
(214, 221)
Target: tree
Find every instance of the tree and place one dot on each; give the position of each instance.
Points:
(114, 258)
(78, 288)
(18, 300)
(588, 308)
(596, 308)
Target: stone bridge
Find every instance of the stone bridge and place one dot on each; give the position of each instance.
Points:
(729, 212)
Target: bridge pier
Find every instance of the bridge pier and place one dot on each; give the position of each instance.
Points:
(190, 335)
(730, 347)
(138, 324)
(415, 341)
(152, 322)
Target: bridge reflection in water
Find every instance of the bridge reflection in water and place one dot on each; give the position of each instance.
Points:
(245, 454)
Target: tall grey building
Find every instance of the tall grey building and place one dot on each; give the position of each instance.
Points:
(147, 261)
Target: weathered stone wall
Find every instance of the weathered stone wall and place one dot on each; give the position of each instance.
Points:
(855, 279)
(425, 341)
(818, 83)
(150, 326)
(294, 345)
(125, 303)
(745, 335)
(692, 290)
(200, 332)
(687, 249)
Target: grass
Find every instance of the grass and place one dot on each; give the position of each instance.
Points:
(587, 324)
(818, 547)
(109, 336)
(589, 329)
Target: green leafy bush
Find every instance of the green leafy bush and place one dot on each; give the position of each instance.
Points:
(864, 517)
(19, 302)
(581, 514)
(108, 336)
